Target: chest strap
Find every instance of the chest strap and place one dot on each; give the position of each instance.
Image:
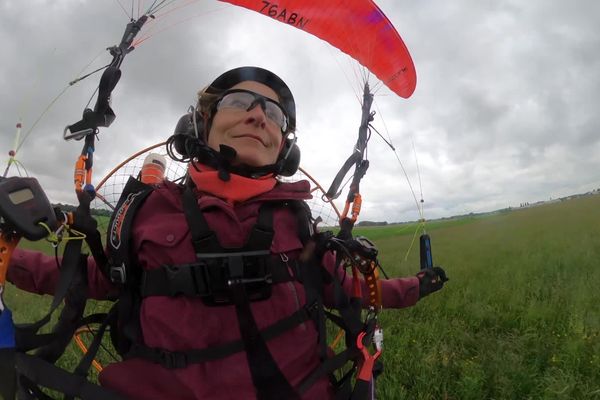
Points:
(240, 280)
(205, 240)
(196, 279)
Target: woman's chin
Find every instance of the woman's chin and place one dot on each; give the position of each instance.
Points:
(252, 161)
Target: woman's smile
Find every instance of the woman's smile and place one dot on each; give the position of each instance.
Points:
(256, 139)
(251, 137)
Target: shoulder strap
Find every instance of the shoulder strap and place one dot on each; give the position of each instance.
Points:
(119, 228)
(125, 328)
(304, 219)
(206, 241)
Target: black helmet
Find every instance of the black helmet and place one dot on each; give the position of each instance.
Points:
(231, 78)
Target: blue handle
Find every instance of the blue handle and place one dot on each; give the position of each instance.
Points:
(426, 256)
(7, 330)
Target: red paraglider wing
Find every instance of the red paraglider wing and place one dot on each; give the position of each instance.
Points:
(356, 27)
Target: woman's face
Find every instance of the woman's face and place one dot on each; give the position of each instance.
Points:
(256, 138)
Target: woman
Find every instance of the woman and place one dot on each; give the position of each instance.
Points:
(225, 307)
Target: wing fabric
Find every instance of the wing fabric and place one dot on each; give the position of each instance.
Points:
(356, 27)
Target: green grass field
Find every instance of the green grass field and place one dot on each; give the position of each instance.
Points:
(519, 318)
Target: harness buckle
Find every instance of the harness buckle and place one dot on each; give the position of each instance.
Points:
(118, 274)
(180, 280)
(173, 360)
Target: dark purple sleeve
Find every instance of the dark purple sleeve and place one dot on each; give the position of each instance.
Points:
(36, 272)
(395, 292)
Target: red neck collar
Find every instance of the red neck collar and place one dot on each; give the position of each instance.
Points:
(236, 190)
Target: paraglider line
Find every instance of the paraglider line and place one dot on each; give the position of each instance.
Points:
(51, 104)
(421, 225)
(150, 33)
(157, 7)
(341, 68)
(150, 8)
(173, 9)
(382, 138)
(123, 8)
(418, 173)
(87, 75)
(163, 5)
(26, 135)
(389, 143)
(18, 166)
(91, 97)
(409, 185)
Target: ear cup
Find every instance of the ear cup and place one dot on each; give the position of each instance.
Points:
(185, 132)
(289, 158)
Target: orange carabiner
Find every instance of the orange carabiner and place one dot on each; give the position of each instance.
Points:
(80, 174)
(356, 205)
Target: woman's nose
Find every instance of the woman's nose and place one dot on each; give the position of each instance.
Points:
(256, 115)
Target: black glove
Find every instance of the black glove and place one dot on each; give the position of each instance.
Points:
(431, 280)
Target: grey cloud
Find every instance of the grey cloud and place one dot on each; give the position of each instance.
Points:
(504, 110)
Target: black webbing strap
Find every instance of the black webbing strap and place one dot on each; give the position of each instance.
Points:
(332, 192)
(175, 360)
(119, 230)
(203, 238)
(85, 363)
(52, 377)
(175, 280)
(261, 235)
(269, 381)
(28, 390)
(25, 334)
(304, 219)
(8, 373)
(331, 364)
(205, 241)
(192, 279)
(312, 280)
(313, 277)
(70, 315)
(349, 308)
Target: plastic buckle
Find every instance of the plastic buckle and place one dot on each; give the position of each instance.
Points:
(312, 308)
(118, 274)
(180, 280)
(201, 279)
(173, 360)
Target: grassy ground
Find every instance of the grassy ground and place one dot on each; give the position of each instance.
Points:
(519, 318)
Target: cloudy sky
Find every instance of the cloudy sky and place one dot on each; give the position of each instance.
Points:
(505, 110)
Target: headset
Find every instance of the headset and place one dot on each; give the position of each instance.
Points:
(188, 140)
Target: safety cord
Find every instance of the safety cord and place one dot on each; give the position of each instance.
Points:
(56, 237)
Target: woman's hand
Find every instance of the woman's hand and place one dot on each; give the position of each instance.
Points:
(431, 280)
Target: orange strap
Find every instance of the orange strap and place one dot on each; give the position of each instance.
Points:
(80, 174)
(356, 206)
(6, 249)
(374, 287)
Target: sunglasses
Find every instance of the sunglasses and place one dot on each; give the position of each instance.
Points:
(246, 100)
